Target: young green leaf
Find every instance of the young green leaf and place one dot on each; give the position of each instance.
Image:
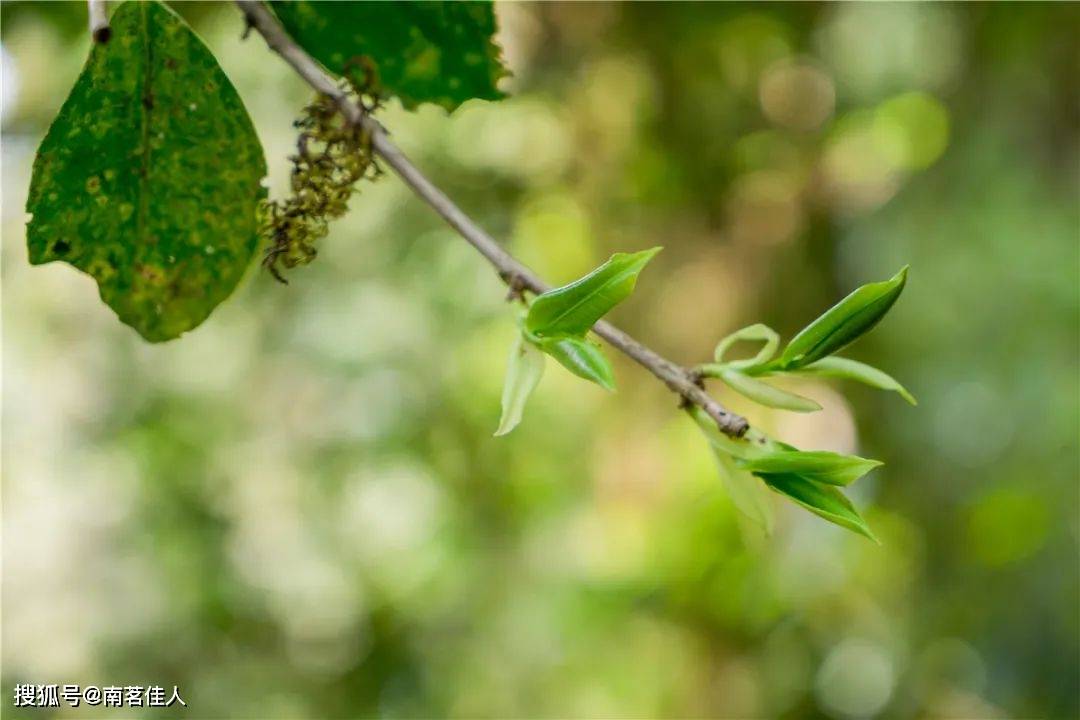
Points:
(758, 332)
(843, 368)
(843, 323)
(580, 357)
(818, 465)
(765, 394)
(149, 178)
(748, 493)
(823, 500)
(573, 309)
(523, 373)
(437, 52)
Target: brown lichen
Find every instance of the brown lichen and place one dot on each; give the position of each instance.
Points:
(332, 156)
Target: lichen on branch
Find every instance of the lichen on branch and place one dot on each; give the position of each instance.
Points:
(332, 156)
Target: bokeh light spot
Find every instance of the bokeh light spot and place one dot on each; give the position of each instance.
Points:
(797, 95)
(856, 680)
(1007, 525)
(747, 45)
(923, 124)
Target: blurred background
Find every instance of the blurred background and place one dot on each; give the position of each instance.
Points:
(298, 510)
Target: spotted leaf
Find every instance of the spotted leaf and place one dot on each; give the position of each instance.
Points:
(149, 179)
(437, 52)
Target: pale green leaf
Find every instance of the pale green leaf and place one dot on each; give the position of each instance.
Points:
(845, 369)
(823, 500)
(748, 493)
(523, 372)
(573, 309)
(819, 465)
(765, 394)
(581, 357)
(149, 179)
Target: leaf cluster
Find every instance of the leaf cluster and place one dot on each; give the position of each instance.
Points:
(812, 479)
(556, 324)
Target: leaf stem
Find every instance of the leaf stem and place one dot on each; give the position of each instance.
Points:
(99, 21)
(678, 379)
(709, 370)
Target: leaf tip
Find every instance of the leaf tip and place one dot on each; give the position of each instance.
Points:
(641, 258)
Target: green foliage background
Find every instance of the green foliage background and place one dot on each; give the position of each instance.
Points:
(298, 509)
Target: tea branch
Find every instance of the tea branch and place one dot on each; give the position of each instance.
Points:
(680, 380)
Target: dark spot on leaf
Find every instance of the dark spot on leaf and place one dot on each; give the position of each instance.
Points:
(152, 274)
(61, 247)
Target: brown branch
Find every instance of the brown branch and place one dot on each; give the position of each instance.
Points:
(99, 21)
(678, 379)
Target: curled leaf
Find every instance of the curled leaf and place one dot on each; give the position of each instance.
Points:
(573, 309)
(765, 394)
(580, 357)
(846, 369)
(818, 465)
(823, 500)
(758, 332)
(523, 373)
(843, 323)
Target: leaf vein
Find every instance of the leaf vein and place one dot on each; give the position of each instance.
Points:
(145, 102)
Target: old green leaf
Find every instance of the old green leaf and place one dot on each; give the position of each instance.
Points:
(819, 465)
(765, 394)
(573, 309)
(438, 52)
(823, 500)
(580, 357)
(523, 372)
(845, 369)
(842, 324)
(149, 178)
